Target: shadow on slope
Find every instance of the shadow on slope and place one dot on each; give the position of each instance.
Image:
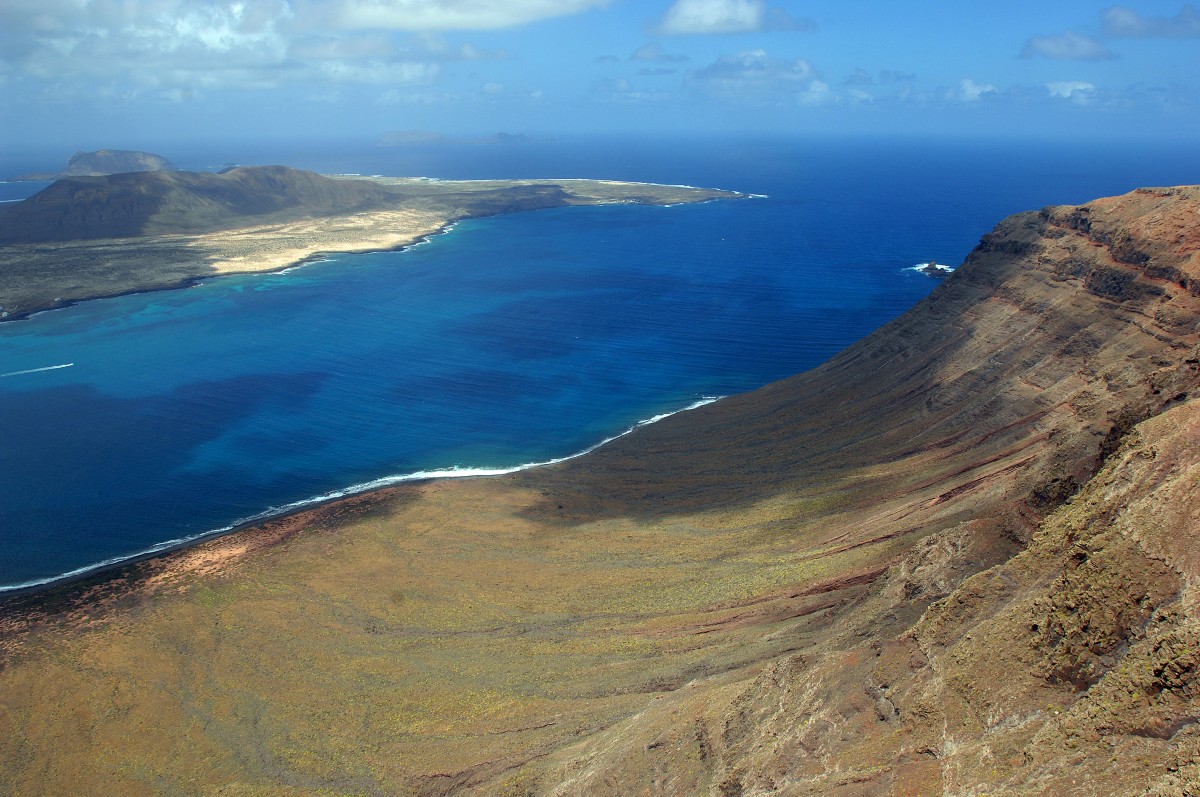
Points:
(1021, 355)
(742, 599)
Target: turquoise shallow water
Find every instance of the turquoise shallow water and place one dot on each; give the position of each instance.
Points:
(509, 340)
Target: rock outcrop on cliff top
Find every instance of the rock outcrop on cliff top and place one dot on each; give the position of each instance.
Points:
(958, 558)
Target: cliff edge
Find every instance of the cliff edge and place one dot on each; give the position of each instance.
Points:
(958, 558)
(1058, 370)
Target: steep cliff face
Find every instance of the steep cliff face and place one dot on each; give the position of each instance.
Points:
(1030, 352)
(1068, 339)
(958, 558)
(1070, 670)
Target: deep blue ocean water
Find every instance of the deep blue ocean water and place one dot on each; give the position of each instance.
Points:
(508, 340)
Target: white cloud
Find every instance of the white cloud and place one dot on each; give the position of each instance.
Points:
(144, 41)
(753, 74)
(1075, 90)
(173, 47)
(817, 93)
(728, 16)
(888, 85)
(373, 45)
(429, 15)
(378, 72)
(1120, 21)
(469, 52)
(432, 46)
(1072, 46)
(970, 91)
(415, 97)
(623, 91)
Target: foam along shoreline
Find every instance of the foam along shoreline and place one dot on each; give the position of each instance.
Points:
(275, 512)
(334, 256)
(932, 268)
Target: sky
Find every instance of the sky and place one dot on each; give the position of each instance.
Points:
(118, 72)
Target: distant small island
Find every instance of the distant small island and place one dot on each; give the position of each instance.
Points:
(85, 237)
(101, 162)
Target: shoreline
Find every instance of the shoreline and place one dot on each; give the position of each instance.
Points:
(241, 252)
(51, 275)
(101, 570)
(193, 282)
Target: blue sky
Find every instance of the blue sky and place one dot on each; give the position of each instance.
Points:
(117, 72)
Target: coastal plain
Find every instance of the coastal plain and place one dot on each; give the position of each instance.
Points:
(958, 558)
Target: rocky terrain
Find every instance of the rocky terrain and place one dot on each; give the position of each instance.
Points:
(959, 558)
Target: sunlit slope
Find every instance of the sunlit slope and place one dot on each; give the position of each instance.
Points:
(732, 601)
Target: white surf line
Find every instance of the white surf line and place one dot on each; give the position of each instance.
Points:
(37, 370)
(455, 472)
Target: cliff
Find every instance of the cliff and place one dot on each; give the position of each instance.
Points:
(958, 558)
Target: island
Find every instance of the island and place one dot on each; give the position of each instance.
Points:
(91, 236)
(960, 557)
(101, 162)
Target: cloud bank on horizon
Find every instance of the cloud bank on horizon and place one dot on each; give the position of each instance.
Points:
(330, 67)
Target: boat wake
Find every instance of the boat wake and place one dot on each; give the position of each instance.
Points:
(37, 370)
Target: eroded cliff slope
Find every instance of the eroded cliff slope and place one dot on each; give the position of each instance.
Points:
(1069, 669)
(959, 558)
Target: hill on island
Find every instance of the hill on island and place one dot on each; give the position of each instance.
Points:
(159, 202)
(104, 161)
(162, 203)
(958, 558)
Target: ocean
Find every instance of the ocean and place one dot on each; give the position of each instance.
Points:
(135, 422)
